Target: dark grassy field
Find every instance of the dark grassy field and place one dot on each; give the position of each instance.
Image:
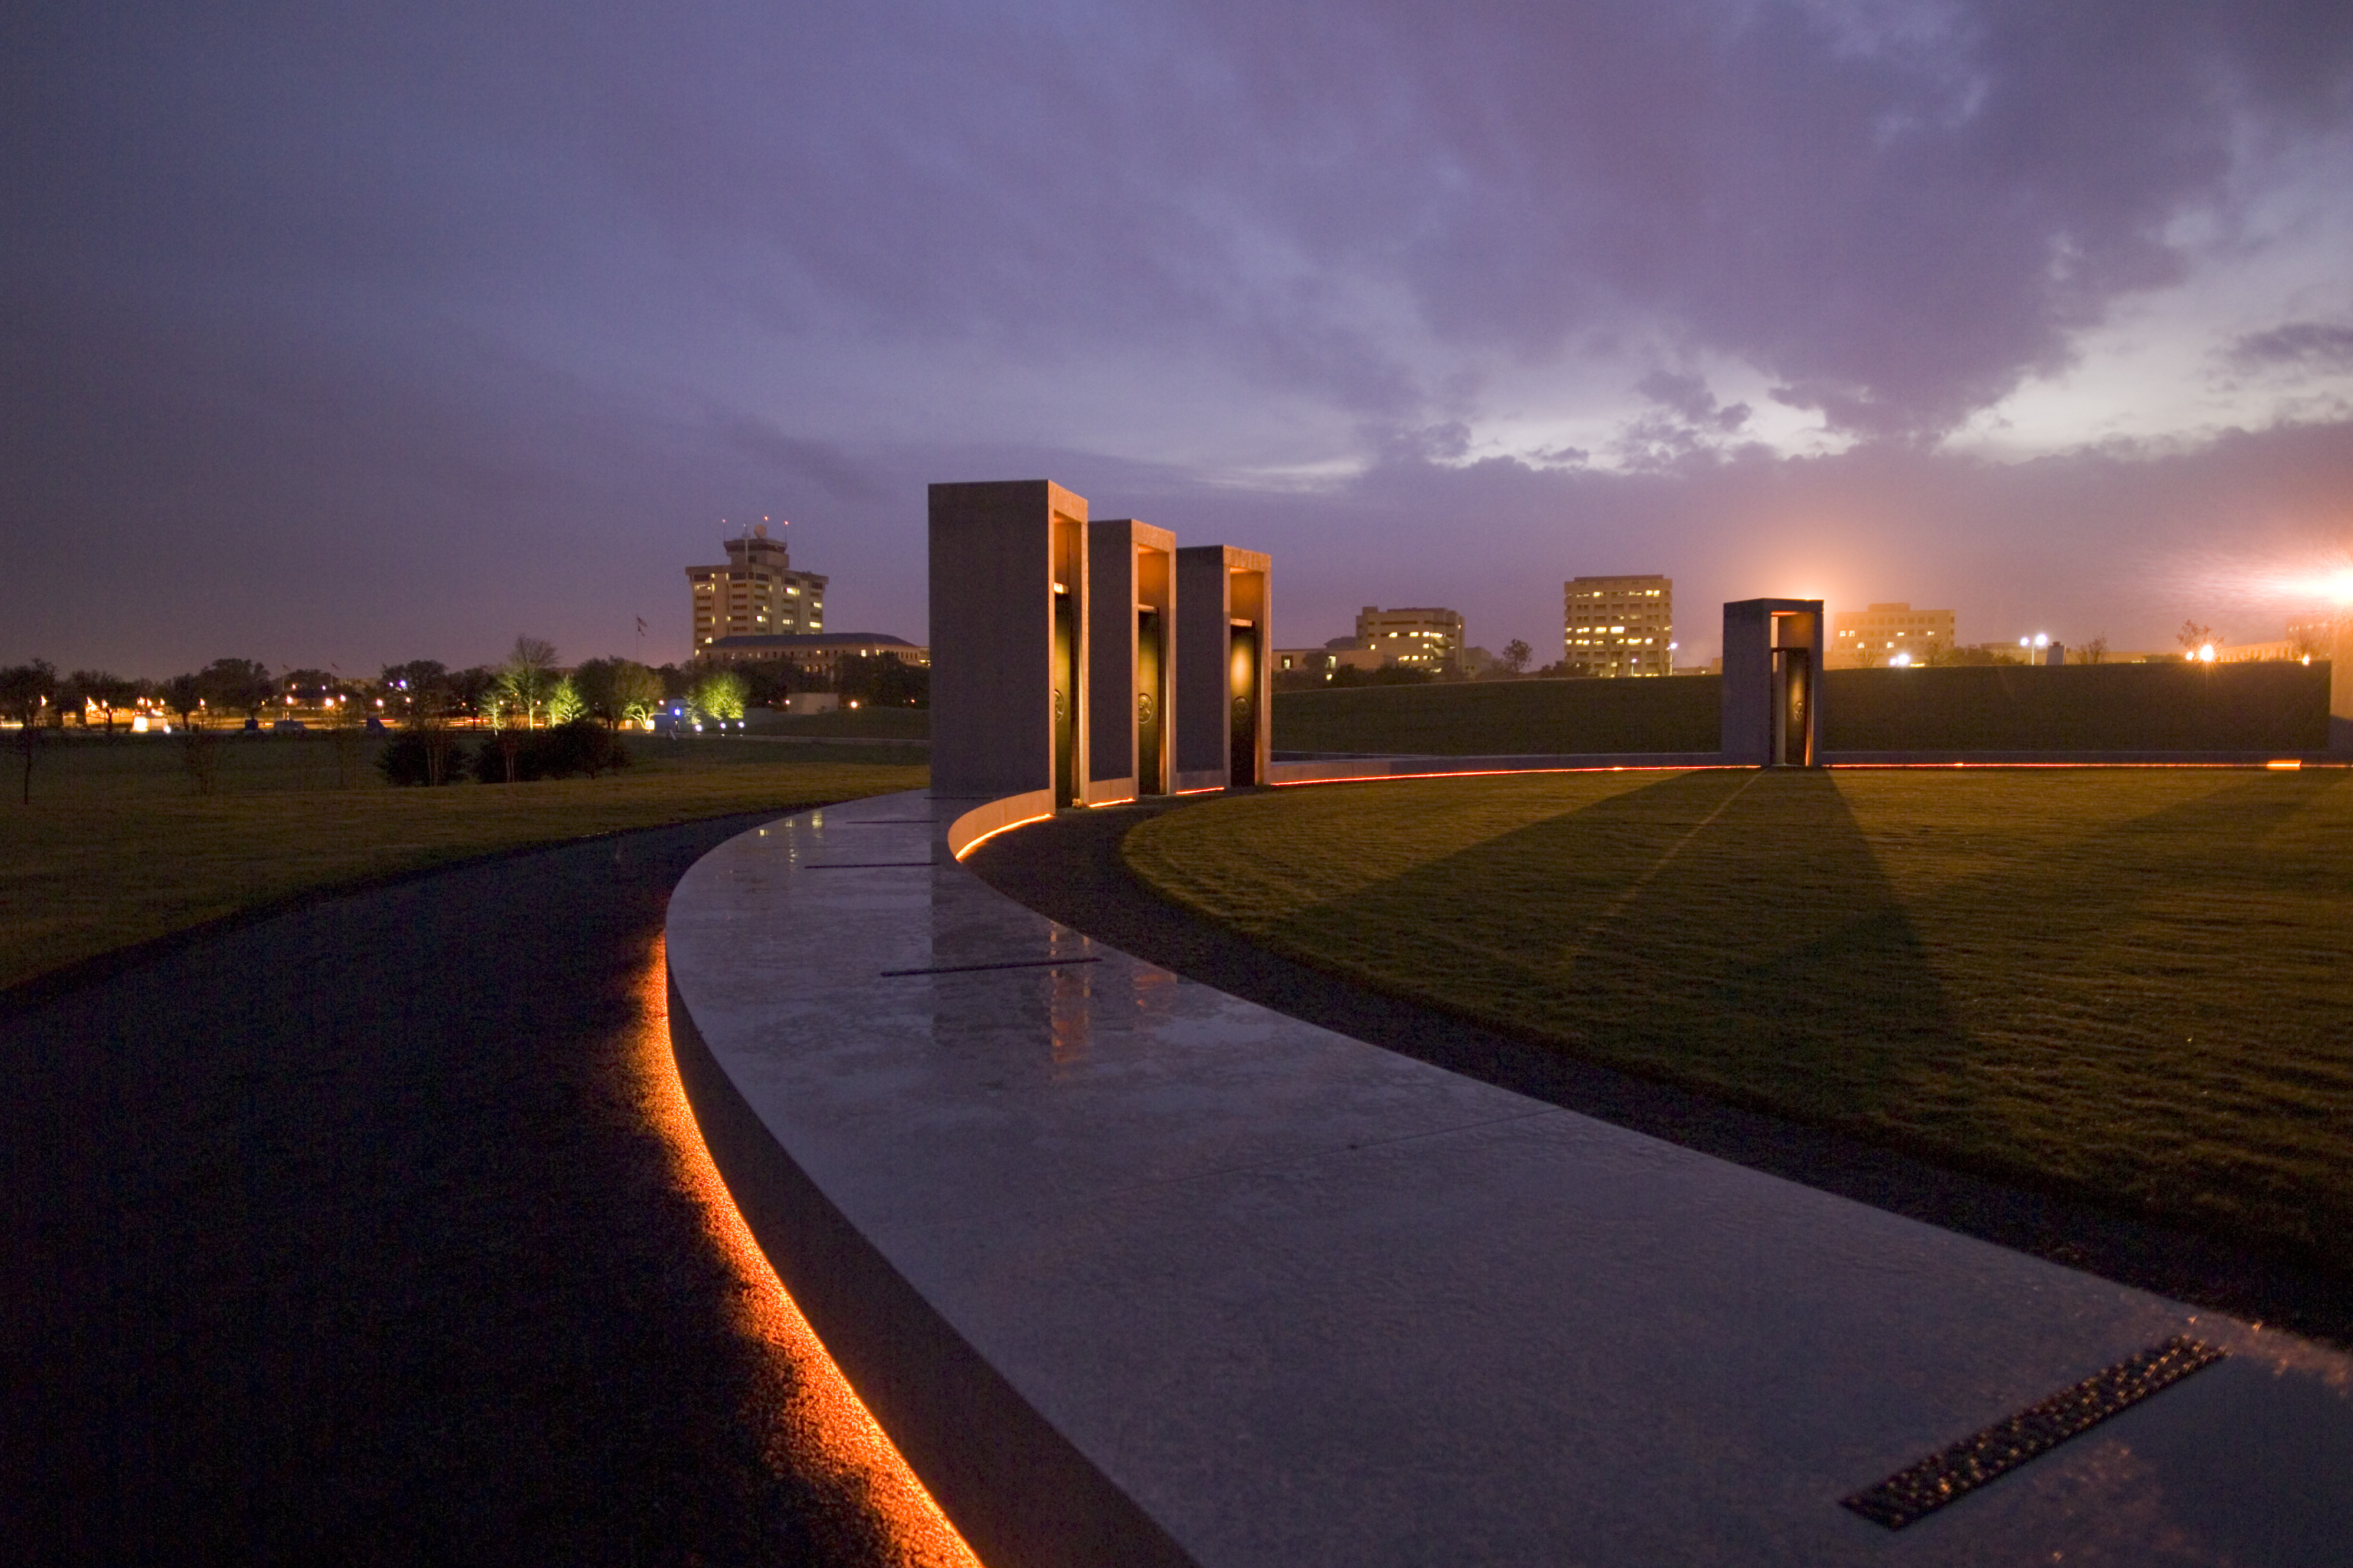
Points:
(861, 723)
(116, 848)
(2124, 987)
(2118, 707)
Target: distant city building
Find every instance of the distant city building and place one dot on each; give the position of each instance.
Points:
(1340, 653)
(1618, 626)
(2309, 638)
(755, 594)
(1417, 638)
(1886, 634)
(819, 655)
(2318, 628)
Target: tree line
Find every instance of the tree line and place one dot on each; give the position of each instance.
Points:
(528, 688)
(527, 691)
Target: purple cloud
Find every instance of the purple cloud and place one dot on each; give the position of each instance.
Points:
(433, 286)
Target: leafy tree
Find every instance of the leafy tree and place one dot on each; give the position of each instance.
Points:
(237, 685)
(416, 672)
(636, 691)
(498, 705)
(880, 681)
(617, 691)
(310, 685)
(593, 680)
(88, 689)
(184, 695)
(418, 680)
(469, 689)
(564, 704)
(765, 682)
(25, 692)
(720, 694)
(527, 679)
(1516, 654)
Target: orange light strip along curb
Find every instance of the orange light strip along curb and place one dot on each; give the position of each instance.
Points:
(2286, 766)
(993, 832)
(823, 1413)
(1513, 773)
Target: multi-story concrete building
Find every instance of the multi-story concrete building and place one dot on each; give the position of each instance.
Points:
(820, 654)
(1416, 637)
(1618, 626)
(1887, 633)
(755, 594)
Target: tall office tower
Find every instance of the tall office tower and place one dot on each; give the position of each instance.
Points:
(756, 593)
(1618, 626)
(1418, 638)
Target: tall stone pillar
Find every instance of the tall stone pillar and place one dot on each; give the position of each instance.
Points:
(1772, 682)
(1225, 666)
(1131, 672)
(1009, 634)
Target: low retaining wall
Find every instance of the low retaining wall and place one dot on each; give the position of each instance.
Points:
(1343, 770)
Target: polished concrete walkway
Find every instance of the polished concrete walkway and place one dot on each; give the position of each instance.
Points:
(1137, 1270)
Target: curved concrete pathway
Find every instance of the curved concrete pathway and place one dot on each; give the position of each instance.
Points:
(1071, 869)
(1137, 1271)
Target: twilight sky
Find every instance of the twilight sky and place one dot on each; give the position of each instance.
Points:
(352, 333)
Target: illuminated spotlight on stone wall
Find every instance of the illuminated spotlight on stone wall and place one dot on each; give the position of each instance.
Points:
(1772, 682)
(1224, 664)
(1130, 635)
(1009, 562)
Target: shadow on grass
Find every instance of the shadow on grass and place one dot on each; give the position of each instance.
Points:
(2145, 1014)
(1732, 932)
(2157, 1017)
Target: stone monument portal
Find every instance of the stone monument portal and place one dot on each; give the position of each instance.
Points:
(1009, 634)
(1130, 636)
(1772, 682)
(1225, 666)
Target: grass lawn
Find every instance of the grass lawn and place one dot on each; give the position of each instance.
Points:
(862, 723)
(2128, 984)
(116, 848)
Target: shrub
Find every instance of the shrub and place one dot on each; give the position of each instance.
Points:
(407, 759)
(582, 746)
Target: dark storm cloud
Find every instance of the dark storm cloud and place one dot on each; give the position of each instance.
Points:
(1895, 211)
(510, 299)
(2323, 344)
